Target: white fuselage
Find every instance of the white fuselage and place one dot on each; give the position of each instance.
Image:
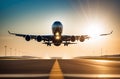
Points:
(57, 28)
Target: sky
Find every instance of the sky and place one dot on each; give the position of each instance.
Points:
(77, 16)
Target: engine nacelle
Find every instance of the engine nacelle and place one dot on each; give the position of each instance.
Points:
(39, 39)
(27, 38)
(82, 38)
(73, 38)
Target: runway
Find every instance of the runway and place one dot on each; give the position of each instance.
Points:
(90, 69)
(59, 69)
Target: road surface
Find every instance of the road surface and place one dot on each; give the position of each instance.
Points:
(59, 69)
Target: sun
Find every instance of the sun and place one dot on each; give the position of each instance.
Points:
(94, 27)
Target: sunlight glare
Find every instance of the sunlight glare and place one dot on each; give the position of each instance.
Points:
(94, 28)
(102, 61)
(65, 56)
(103, 75)
(46, 56)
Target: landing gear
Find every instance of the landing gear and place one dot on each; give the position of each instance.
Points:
(66, 43)
(48, 43)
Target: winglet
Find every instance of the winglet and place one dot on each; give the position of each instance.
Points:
(111, 32)
(107, 33)
(9, 32)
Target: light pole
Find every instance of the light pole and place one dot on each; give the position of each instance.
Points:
(10, 51)
(101, 51)
(15, 52)
(5, 50)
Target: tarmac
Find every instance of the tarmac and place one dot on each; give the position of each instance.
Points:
(59, 69)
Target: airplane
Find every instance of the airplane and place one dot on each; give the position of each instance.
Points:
(57, 38)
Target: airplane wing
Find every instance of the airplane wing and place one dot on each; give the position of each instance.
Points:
(106, 34)
(81, 38)
(38, 38)
(48, 39)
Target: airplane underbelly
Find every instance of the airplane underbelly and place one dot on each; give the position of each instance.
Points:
(57, 42)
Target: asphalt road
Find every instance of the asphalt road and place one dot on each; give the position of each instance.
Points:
(24, 69)
(90, 69)
(69, 68)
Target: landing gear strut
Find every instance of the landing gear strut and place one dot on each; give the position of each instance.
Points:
(66, 44)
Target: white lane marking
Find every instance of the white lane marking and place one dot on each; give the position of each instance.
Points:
(23, 75)
(65, 75)
(105, 61)
(94, 75)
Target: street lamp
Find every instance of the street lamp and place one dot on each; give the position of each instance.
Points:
(5, 50)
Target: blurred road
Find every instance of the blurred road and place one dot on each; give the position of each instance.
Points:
(25, 69)
(90, 69)
(54, 69)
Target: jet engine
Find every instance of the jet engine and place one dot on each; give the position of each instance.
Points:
(73, 38)
(82, 38)
(39, 39)
(27, 38)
